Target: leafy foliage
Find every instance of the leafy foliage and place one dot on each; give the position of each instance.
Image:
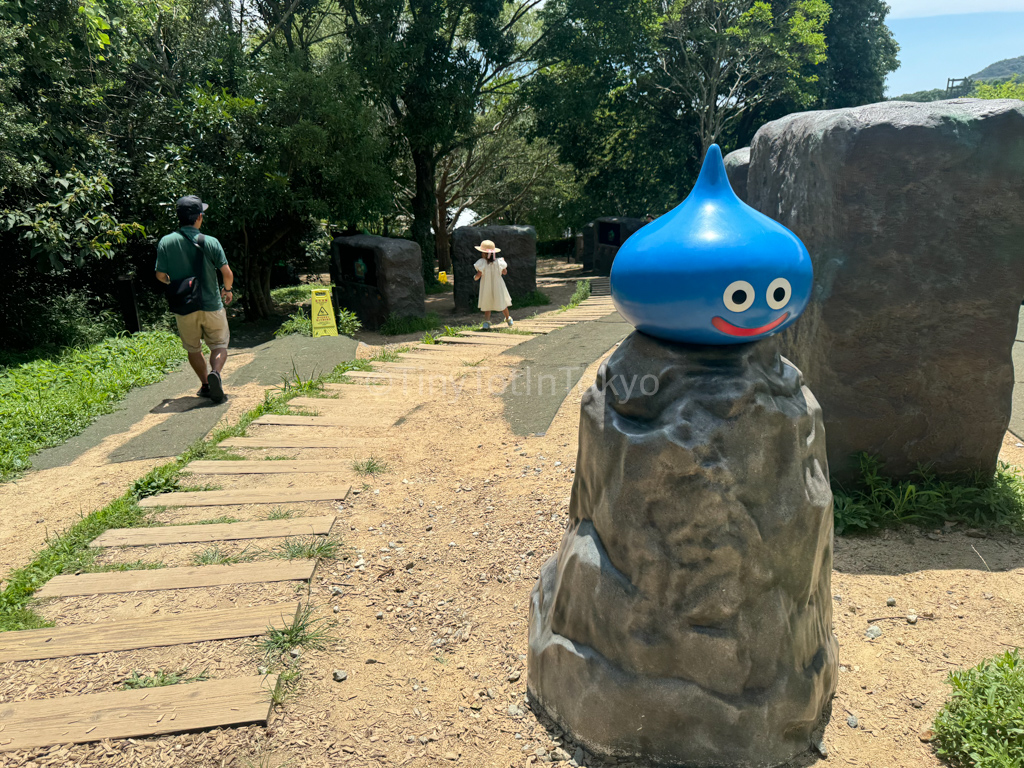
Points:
(1008, 89)
(982, 724)
(928, 501)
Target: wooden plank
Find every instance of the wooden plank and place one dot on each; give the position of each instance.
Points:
(267, 467)
(339, 420)
(494, 342)
(195, 534)
(332, 406)
(488, 334)
(148, 632)
(129, 714)
(177, 578)
(294, 441)
(539, 329)
(246, 496)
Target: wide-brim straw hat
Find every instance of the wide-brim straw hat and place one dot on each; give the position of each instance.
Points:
(487, 246)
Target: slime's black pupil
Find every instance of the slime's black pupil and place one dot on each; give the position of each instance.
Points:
(738, 297)
(780, 294)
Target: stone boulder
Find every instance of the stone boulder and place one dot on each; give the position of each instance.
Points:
(737, 164)
(377, 276)
(602, 239)
(518, 246)
(914, 218)
(686, 618)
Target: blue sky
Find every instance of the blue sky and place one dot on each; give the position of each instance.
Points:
(951, 38)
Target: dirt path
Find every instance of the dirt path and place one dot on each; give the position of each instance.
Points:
(431, 608)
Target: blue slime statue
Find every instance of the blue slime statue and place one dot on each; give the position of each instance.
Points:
(712, 270)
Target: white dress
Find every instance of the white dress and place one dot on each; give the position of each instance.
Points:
(493, 293)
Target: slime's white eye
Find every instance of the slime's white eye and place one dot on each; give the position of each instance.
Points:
(779, 293)
(739, 296)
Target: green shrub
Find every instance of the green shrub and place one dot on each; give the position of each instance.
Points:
(534, 299)
(439, 288)
(982, 724)
(296, 294)
(398, 326)
(348, 323)
(928, 500)
(45, 402)
(297, 323)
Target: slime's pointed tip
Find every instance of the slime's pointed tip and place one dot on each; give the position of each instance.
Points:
(713, 178)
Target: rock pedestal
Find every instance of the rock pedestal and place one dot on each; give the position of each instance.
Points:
(686, 618)
(378, 276)
(914, 218)
(518, 246)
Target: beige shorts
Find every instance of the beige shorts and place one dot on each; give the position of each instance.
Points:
(211, 327)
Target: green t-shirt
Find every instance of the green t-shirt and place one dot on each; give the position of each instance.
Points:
(178, 257)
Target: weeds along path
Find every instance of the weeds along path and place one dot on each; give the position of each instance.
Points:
(212, 600)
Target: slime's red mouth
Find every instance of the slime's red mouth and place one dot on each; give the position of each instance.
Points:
(725, 326)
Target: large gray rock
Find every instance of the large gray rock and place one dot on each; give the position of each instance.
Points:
(914, 217)
(377, 276)
(687, 615)
(518, 246)
(737, 165)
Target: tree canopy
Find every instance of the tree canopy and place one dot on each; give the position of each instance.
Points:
(298, 118)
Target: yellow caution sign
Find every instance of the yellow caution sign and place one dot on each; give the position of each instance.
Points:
(442, 278)
(323, 314)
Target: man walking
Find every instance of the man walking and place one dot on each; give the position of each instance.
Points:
(178, 256)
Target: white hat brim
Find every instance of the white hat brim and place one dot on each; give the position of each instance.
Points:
(496, 250)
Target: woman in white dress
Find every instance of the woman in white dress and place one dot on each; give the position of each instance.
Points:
(493, 293)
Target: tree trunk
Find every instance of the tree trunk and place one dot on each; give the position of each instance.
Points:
(424, 206)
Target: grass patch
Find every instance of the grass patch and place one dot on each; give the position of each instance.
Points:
(397, 326)
(581, 294)
(439, 288)
(47, 401)
(303, 632)
(982, 724)
(307, 548)
(296, 294)
(929, 501)
(389, 354)
(277, 458)
(63, 552)
(370, 466)
(472, 365)
(137, 680)
(279, 513)
(214, 556)
(535, 298)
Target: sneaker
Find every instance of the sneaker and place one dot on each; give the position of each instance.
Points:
(216, 387)
(509, 321)
(485, 327)
(204, 391)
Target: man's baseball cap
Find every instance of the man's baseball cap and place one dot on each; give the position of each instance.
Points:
(191, 205)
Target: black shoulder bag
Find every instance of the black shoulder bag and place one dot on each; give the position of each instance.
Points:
(185, 296)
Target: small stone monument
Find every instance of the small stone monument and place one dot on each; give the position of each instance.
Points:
(378, 276)
(687, 616)
(518, 246)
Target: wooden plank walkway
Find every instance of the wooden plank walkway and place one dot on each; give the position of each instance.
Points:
(277, 467)
(190, 577)
(128, 714)
(296, 441)
(496, 340)
(199, 534)
(355, 419)
(149, 632)
(246, 496)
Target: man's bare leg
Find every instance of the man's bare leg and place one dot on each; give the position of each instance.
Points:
(217, 359)
(198, 363)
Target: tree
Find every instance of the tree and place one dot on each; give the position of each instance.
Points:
(861, 53)
(429, 64)
(723, 58)
(1008, 89)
